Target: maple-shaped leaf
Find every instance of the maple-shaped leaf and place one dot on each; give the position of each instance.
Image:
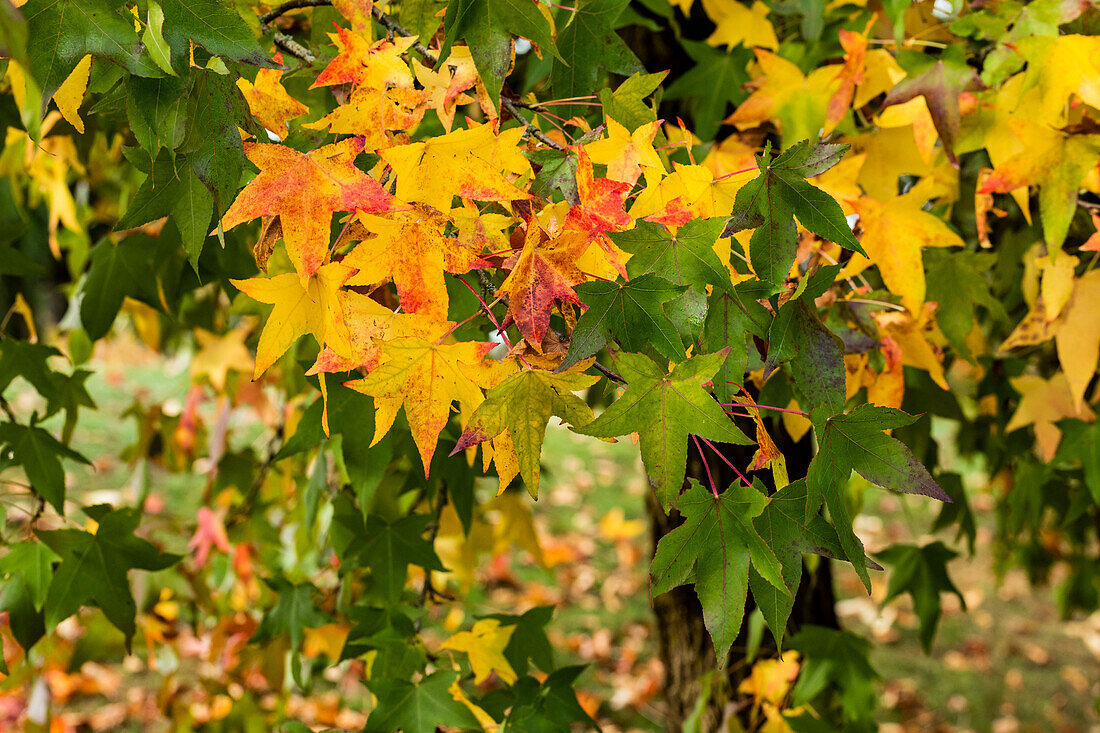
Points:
(425, 378)
(209, 533)
(218, 355)
(373, 113)
(545, 270)
(411, 249)
(40, 454)
(856, 441)
(850, 76)
(713, 82)
(487, 27)
(739, 24)
(1058, 67)
(388, 548)
(361, 62)
(213, 26)
(484, 645)
(314, 307)
(685, 258)
(689, 192)
(631, 312)
(664, 408)
(590, 45)
(922, 573)
(784, 527)
(417, 708)
(1043, 403)
(1057, 162)
(600, 210)
(771, 201)
(734, 316)
(445, 89)
(474, 163)
(940, 83)
(303, 190)
(529, 643)
(958, 283)
(893, 235)
(795, 102)
(68, 30)
(94, 566)
(522, 404)
(815, 353)
(625, 153)
(269, 101)
(714, 548)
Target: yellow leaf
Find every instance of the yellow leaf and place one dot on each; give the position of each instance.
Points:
(218, 355)
(425, 378)
(737, 23)
(1036, 328)
(445, 89)
(71, 93)
(269, 101)
(1078, 339)
(316, 308)
(515, 527)
(327, 639)
(615, 526)
(1044, 402)
(1057, 283)
(475, 164)
(484, 645)
(692, 188)
(796, 103)
(1058, 68)
(483, 718)
(911, 337)
(771, 679)
(893, 235)
(626, 153)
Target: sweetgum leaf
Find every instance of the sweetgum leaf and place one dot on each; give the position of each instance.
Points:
(211, 25)
(664, 409)
(592, 47)
(631, 312)
(856, 441)
(922, 573)
(714, 547)
(417, 708)
(688, 258)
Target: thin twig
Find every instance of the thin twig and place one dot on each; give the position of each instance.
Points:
(282, 40)
(428, 590)
(608, 373)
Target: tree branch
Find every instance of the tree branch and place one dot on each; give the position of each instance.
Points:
(282, 40)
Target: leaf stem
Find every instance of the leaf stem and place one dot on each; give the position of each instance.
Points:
(706, 466)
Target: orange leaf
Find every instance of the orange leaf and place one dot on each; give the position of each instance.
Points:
(600, 210)
(209, 533)
(362, 63)
(545, 271)
(304, 189)
(269, 101)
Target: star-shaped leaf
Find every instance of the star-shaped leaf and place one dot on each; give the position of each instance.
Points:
(544, 271)
(315, 307)
(940, 84)
(686, 258)
(592, 47)
(522, 404)
(856, 441)
(303, 190)
(484, 645)
(294, 612)
(922, 573)
(714, 548)
(269, 101)
(424, 378)
(40, 454)
(214, 27)
(664, 409)
(417, 708)
(631, 313)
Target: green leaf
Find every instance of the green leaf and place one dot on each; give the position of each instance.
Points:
(664, 409)
(590, 46)
(387, 548)
(118, 270)
(837, 660)
(856, 441)
(958, 282)
(27, 360)
(688, 258)
(487, 26)
(26, 622)
(40, 455)
(293, 612)
(417, 708)
(62, 32)
(625, 105)
(172, 189)
(922, 573)
(156, 111)
(212, 26)
(815, 354)
(32, 563)
(785, 529)
(557, 171)
(94, 566)
(714, 547)
(549, 707)
(153, 38)
(733, 317)
(528, 642)
(522, 404)
(632, 313)
(772, 200)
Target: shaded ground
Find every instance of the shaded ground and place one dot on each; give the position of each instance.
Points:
(1010, 664)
